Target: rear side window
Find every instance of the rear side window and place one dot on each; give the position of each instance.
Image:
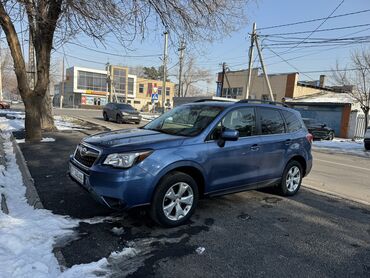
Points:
(271, 121)
(292, 121)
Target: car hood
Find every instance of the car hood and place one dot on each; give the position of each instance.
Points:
(133, 139)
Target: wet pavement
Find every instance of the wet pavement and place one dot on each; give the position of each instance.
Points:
(254, 233)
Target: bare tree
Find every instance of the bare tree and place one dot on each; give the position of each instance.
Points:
(52, 22)
(192, 75)
(356, 81)
(9, 81)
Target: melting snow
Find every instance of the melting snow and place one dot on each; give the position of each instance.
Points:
(339, 145)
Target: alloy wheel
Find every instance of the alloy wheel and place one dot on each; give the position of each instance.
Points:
(293, 178)
(178, 201)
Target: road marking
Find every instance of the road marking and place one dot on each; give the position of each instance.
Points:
(341, 164)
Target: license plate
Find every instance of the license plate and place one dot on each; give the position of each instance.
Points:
(77, 174)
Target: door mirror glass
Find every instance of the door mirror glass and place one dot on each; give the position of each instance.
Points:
(230, 135)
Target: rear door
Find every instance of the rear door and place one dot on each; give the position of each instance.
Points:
(274, 142)
(237, 162)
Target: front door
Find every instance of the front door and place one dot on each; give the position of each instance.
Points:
(237, 162)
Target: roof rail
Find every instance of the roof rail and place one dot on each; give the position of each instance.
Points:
(219, 99)
(263, 101)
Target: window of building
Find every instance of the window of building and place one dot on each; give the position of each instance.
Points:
(141, 88)
(119, 80)
(91, 81)
(128, 101)
(232, 92)
(271, 121)
(130, 85)
(292, 121)
(167, 91)
(267, 97)
(159, 91)
(136, 101)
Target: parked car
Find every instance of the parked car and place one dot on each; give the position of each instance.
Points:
(121, 112)
(195, 150)
(319, 130)
(367, 139)
(4, 105)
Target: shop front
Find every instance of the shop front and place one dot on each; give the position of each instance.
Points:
(93, 99)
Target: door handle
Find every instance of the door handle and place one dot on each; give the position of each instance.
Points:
(288, 142)
(255, 147)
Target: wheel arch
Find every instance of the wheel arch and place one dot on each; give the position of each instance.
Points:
(188, 167)
(301, 160)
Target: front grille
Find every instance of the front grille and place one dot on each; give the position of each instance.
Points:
(86, 155)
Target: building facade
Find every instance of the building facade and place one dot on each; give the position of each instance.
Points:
(93, 88)
(284, 85)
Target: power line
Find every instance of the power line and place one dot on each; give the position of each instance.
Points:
(321, 30)
(312, 20)
(317, 28)
(79, 58)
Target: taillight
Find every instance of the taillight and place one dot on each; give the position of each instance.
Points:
(309, 137)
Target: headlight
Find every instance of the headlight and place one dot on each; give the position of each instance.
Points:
(125, 160)
(124, 113)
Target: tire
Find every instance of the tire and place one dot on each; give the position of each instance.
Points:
(290, 182)
(137, 123)
(105, 116)
(331, 135)
(119, 119)
(163, 198)
(367, 147)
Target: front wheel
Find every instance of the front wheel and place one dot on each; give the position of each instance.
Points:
(119, 119)
(367, 146)
(292, 178)
(175, 200)
(105, 116)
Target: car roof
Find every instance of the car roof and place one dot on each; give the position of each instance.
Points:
(239, 104)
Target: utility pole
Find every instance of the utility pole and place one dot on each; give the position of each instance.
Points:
(164, 69)
(222, 77)
(253, 37)
(181, 49)
(264, 70)
(62, 87)
(109, 82)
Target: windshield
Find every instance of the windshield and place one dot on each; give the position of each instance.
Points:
(186, 120)
(124, 106)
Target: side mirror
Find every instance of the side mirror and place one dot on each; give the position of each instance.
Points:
(228, 135)
(323, 125)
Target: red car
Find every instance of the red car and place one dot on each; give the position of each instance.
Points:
(4, 105)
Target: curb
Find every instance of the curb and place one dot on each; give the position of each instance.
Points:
(334, 195)
(104, 128)
(32, 196)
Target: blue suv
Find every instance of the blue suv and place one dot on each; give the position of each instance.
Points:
(195, 150)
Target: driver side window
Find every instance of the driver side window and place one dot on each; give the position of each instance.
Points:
(242, 120)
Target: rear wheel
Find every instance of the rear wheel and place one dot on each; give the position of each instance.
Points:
(105, 116)
(292, 178)
(119, 119)
(137, 122)
(331, 135)
(175, 200)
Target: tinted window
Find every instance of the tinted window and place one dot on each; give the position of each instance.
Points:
(292, 121)
(124, 106)
(271, 121)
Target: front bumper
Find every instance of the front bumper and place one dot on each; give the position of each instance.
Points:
(131, 118)
(117, 188)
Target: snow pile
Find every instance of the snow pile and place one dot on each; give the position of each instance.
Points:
(200, 250)
(339, 145)
(27, 235)
(118, 231)
(15, 121)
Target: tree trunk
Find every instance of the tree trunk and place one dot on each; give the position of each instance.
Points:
(46, 109)
(33, 118)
